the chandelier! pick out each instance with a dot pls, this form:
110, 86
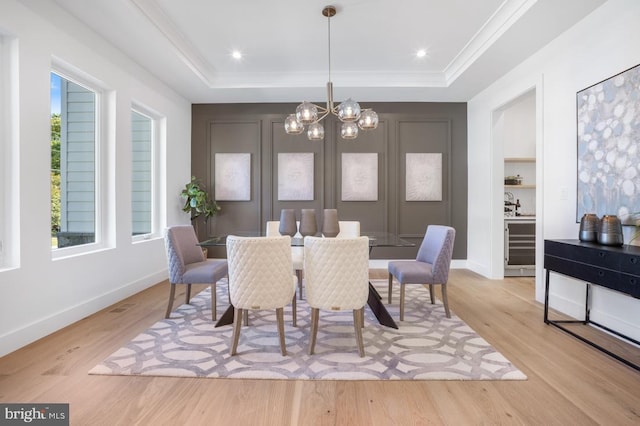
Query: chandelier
349, 111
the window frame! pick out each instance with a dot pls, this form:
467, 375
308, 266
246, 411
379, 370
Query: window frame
101, 160
9, 154
157, 130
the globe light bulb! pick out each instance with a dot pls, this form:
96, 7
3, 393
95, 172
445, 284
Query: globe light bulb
349, 130
315, 132
368, 120
292, 126
349, 110
306, 113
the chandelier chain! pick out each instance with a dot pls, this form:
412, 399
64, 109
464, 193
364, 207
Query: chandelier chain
348, 112
329, 43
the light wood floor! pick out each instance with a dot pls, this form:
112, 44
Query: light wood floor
569, 382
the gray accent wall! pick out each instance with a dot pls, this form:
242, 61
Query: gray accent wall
404, 128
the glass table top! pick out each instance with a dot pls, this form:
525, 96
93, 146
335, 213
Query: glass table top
376, 239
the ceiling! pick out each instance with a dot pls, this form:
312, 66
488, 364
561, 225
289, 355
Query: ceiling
188, 44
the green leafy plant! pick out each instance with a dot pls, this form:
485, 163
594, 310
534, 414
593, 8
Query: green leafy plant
197, 200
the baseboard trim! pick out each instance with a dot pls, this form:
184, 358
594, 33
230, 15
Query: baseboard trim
29, 333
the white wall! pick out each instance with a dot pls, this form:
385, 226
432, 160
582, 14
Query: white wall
519, 127
519, 141
39, 295
603, 44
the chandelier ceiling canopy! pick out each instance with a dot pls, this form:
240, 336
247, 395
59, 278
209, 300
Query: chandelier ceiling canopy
348, 112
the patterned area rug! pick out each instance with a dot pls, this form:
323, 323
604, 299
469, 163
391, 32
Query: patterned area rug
427, 346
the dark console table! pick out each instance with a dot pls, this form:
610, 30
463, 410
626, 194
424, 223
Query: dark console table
615, 268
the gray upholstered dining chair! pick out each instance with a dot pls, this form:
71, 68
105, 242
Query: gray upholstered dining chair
297, 253
337, 279
431, 266
260, 277
187, 265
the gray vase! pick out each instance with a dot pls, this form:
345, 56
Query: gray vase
610, 231
308, 223
330, 225
288, 224
589, 227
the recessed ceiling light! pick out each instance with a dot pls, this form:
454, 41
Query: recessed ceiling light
421, 53
236, 54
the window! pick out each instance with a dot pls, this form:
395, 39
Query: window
3, 146
142, 171
9, 203
74, 153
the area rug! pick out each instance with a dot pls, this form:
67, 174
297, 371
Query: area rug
427, 346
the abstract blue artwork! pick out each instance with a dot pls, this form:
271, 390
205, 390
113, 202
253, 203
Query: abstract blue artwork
608, 119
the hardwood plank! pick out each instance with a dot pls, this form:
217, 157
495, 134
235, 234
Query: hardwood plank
317, 404
569, 382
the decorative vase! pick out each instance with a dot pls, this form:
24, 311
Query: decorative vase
610, 231
308, 223
589, 227
288, 224
330, 225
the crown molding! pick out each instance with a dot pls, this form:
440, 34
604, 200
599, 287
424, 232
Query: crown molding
314, 79
183, 48
507, 14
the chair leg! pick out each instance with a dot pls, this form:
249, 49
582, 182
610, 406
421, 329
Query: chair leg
280, 318
390, 286
246, 317
214, 302
402, 286
362, 317
237, 325
445, 300
432, 295
357, 323
187, 294
299, 275
172, 294
294, 311
315, 313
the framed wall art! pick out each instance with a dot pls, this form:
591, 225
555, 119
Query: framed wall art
232, 177
359, 177
423, 177
608, 123
295, 176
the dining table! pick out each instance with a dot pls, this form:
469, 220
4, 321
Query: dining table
374, 301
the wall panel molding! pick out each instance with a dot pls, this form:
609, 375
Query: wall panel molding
404, 127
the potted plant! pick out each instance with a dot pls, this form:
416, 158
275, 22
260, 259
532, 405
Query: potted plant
198, 203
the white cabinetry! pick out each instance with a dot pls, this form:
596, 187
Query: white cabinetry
524, 167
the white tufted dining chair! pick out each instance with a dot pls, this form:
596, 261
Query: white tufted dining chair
348, 229
337, 279
297, 253
431, 265
260, 277
187, 265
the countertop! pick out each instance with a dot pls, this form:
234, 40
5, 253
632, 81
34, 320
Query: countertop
520, 218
